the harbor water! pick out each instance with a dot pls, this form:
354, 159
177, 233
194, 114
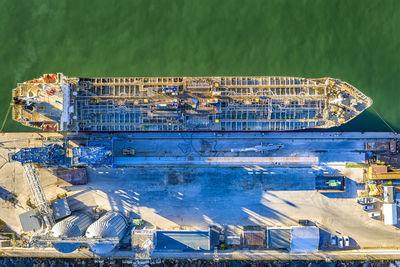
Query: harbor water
355, 41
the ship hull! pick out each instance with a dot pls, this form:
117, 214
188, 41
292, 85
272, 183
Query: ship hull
60, 103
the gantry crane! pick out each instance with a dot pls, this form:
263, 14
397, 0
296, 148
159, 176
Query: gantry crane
52, 154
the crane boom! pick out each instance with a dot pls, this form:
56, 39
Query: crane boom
38, 195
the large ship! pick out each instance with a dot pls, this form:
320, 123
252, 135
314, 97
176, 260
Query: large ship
55, 102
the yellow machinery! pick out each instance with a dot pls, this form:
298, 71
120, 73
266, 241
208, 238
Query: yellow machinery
375, 190
391, 175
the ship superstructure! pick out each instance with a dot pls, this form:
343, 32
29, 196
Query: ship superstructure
56, 102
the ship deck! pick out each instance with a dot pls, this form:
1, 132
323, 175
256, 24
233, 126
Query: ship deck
193, 104
190, 104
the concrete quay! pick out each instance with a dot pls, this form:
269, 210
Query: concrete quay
163, 185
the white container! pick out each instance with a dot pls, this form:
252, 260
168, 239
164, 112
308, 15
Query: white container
390, 213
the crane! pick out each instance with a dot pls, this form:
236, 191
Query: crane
38, 194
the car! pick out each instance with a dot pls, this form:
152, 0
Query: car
304, 222
346, 241
340, 242
366, 200
374, 214
368, 207
333, 240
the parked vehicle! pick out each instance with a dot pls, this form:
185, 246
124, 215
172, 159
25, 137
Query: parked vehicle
368, 207
333, 240
374, 214
366, 200
340, 242
346, 241
304, 222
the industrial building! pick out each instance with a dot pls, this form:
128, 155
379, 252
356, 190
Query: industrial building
60, 208
182, 241
30, 220
279, 237
296, 239
254, 236
390, 213
304, 239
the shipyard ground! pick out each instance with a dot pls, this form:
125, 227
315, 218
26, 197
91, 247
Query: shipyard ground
188, 186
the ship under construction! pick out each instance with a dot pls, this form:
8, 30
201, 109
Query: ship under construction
55, 102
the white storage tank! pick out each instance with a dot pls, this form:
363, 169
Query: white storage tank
111, 224
72, 226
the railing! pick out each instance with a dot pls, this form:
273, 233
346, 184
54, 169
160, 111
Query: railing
78, 239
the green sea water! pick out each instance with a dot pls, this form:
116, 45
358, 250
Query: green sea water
357, 41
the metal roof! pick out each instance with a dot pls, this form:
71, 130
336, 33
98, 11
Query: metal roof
389, 213
182, 240
60, 208
29, 221
305, 239
279, 238
143, 238
73, 176
254, 237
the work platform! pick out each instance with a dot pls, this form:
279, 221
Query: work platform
214, 149
237, 149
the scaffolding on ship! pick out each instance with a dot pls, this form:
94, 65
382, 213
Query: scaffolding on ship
242, 104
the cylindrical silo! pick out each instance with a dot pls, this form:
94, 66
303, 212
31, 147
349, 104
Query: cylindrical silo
72, 226
111, 224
